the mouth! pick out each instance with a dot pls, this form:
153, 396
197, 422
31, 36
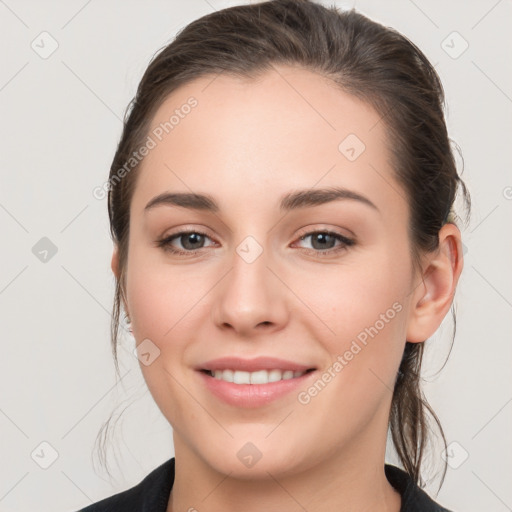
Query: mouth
251, 383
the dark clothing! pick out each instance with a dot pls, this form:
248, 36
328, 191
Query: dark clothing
152, 493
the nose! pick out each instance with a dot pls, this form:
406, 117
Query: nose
251, 298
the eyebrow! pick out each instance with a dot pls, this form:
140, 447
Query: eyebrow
291, 201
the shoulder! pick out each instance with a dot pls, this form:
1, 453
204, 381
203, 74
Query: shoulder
414, 499
151, 494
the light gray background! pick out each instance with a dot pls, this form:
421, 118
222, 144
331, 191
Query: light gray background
60, 124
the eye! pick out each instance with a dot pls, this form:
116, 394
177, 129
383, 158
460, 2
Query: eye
323, 242
191, 241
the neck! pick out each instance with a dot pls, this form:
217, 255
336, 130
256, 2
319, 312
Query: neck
351, 479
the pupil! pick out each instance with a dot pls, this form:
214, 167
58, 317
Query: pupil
194, 238
321, 237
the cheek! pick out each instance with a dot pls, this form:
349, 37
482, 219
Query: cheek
365, 310
160, 296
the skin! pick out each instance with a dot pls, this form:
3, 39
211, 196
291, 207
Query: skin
247, 143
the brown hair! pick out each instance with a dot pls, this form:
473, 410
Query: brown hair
365, 59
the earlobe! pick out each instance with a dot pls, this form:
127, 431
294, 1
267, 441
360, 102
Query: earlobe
433, 297
114, 264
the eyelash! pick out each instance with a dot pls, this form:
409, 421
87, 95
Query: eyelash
346, 242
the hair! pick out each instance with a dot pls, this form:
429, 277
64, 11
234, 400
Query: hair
363, 58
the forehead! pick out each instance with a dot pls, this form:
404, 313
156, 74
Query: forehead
256, 138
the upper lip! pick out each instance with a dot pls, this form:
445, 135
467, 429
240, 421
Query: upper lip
252, 365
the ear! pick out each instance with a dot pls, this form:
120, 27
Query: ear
433, 296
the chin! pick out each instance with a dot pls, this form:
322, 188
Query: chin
250, 461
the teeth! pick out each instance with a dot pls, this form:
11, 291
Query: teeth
258, 377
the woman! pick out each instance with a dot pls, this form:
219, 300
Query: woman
281, 207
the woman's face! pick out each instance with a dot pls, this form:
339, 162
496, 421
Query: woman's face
261, 278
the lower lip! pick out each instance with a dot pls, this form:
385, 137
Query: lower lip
252, 395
